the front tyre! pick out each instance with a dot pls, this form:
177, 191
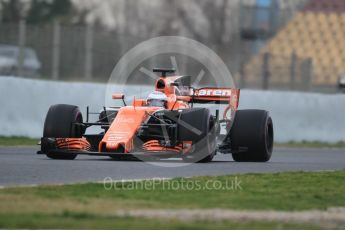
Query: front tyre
199, 126
58, 124
252, 136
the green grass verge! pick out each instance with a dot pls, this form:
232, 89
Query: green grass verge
91, 205
308, 144
17, 141
85, 221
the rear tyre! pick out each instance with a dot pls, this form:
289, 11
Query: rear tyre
198, 125
58, 124
251, 136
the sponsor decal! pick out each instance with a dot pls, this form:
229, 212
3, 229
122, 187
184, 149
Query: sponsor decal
126, 120
117, 136
111, 145
214, 92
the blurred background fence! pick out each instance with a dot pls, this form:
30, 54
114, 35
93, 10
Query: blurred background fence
277, 72
69, 52
267, 44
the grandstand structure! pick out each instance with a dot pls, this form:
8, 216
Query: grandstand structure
308, 50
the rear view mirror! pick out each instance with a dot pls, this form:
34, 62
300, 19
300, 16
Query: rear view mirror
118, 96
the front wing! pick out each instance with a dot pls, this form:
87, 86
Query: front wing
49, 146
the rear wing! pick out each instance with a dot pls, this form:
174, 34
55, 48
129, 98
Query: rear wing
216, 95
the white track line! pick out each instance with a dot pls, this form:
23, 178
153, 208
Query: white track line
332, 217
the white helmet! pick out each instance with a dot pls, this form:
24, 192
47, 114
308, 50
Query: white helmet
157, 99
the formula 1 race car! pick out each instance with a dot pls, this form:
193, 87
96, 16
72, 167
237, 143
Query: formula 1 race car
165, 125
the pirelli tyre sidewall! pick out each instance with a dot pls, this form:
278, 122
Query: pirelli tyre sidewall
252, 136
58, 124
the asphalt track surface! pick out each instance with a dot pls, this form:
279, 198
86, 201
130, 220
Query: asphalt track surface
21, 166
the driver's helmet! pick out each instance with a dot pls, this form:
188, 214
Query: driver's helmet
157, 99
